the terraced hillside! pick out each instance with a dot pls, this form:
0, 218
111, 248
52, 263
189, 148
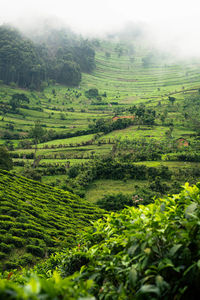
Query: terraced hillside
67, 115
37, 220
127, 75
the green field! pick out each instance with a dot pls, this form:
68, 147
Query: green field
102, 187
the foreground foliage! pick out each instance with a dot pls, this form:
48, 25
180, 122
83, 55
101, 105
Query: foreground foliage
150, 252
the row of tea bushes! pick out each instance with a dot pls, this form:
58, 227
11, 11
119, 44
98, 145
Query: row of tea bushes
37, 219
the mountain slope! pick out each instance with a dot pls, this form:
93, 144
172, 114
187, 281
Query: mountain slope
129, 79
36, 220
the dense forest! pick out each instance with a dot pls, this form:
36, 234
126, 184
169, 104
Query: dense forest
58, 56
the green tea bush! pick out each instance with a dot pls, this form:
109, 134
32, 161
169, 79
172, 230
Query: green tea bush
2, 255
17, 241
6, 218
5, 248
26, 259
11, 265
35, 241
34, 233
3, 231
17, 232
35, 250
149, 252
14, 212
145, 252
6, 224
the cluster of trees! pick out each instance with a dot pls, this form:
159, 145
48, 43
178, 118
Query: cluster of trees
108, 125
80, 176
17, 99
92, 93
143, 115
20, 61
29, 64
115, 202
144, 149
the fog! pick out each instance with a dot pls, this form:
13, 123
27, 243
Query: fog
168, 25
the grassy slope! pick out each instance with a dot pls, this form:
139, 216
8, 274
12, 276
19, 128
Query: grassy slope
33, 214
132, 81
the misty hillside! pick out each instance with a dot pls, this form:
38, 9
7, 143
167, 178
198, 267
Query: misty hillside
57, 56
134, 73
37, 220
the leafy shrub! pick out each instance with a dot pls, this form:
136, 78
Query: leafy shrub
17, 232
11, 265
34, 233
35, 250
45, 217
26, 259
5, 248
18, 242
13, 212
74, 263
6, 224
115, 202
6, 218
51, 250
2, 255
35, 241
3, 231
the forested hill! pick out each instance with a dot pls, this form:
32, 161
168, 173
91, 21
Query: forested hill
36, 220
57, 56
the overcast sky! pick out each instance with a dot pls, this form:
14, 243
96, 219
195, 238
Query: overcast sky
95, 15
169, 19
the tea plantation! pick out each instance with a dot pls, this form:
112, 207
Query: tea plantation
37, 220
145, 252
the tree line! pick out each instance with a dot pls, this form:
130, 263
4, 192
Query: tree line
33, 64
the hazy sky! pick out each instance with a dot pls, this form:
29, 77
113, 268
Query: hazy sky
171, 20
96, 15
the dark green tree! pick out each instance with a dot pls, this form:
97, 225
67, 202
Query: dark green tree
171, 99
69, 73
115, 202
37, 133
92, 93
17, 99
5, 159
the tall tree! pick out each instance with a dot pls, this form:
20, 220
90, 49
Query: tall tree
5, 159
37, 133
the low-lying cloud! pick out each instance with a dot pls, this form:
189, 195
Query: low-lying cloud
172, 25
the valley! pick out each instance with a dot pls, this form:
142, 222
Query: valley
99, 169
71, 121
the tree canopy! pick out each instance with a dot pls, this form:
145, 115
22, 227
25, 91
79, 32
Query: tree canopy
5, 159
56, 56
